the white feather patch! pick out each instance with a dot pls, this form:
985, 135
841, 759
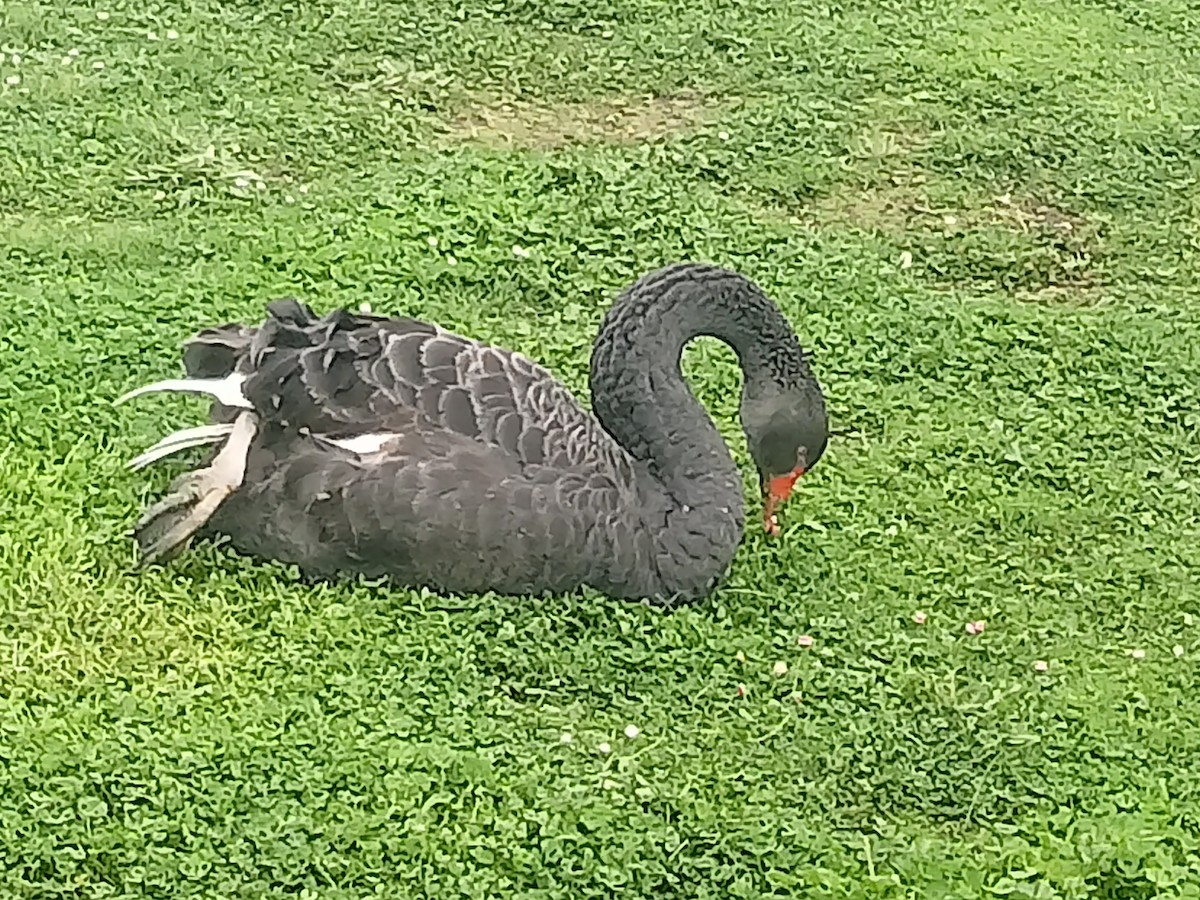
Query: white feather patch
181, 440
227, 390
363, 444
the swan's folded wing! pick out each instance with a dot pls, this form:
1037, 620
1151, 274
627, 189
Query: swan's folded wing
429, 507
346, 374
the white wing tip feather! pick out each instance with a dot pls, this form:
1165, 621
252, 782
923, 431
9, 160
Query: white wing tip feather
227, 390
183, 439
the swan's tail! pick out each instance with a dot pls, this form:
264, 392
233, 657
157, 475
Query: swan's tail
214, 365
167, 526
226, 391
217, 352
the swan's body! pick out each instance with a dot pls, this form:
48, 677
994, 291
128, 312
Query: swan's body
389, 447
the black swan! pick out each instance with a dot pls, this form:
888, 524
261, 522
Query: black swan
357, 443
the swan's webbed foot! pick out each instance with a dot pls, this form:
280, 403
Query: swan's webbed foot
167, 526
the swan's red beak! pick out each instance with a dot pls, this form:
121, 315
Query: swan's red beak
776, 489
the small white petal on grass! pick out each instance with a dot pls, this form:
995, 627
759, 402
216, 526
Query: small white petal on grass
919, 617
805, 640
365, 307
16, 59
605, 747
950, 220
780, 669
12, 80
976, 627
152, 35
565, 738
98, 65
520, 252
1138, 654
431, 241
906, 260
288, 198
632, 731
73, 52
241, 183
1041, 665
451, 261
101, 15
740, 656
723, 135
172, 34
1177, 650
260, 185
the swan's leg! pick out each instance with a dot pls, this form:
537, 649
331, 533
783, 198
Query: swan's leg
167, 526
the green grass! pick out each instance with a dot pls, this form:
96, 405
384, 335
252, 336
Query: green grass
982, 219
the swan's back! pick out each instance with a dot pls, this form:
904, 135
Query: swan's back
344, 375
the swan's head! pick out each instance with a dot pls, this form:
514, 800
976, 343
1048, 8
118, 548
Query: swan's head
786, 433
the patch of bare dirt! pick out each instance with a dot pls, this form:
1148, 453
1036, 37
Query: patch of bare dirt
888, 143
907, 204
887, 209
1036, 248
1026, 215
539, 126
1065, 295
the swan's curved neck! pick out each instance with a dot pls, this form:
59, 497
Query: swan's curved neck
640, 396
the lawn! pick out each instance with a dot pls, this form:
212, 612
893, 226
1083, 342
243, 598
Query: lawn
983, 221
